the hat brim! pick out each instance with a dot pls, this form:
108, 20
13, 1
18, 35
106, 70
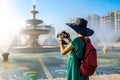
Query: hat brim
81, 30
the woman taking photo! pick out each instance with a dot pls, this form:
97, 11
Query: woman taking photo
76, 48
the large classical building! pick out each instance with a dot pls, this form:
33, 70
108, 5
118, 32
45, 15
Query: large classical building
111, 20
93, 20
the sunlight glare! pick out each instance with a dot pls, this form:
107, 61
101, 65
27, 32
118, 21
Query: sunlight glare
10, 24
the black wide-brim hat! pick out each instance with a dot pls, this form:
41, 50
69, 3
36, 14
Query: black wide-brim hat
81, 28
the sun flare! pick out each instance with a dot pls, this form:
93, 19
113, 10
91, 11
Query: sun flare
10, 24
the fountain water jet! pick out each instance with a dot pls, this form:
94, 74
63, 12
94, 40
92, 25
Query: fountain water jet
105, 50
106, 36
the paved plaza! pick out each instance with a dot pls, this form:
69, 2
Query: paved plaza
34, 66
46, 66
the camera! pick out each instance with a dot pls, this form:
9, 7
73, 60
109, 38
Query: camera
64, 33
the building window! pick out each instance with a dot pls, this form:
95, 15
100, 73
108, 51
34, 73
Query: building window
117, 16
118, 23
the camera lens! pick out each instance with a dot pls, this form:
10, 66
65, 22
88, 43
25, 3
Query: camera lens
66, 35
58, 35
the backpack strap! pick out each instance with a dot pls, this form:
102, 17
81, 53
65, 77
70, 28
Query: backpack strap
85, 41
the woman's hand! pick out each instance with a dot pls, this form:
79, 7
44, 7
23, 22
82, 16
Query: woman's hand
60, 37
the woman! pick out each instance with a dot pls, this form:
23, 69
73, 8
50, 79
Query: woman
76, 48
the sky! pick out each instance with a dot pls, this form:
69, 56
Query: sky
13, 13
59, 12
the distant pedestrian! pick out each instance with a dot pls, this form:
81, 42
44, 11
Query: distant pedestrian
76, 47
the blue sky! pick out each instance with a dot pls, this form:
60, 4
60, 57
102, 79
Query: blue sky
58, 12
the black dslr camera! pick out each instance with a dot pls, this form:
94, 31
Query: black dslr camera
64, 33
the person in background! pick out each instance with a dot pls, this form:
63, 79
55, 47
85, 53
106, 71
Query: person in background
76, 48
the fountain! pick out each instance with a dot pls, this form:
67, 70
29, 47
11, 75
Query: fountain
34, 33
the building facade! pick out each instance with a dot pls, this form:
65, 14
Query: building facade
93, 20
117, 20
111, 20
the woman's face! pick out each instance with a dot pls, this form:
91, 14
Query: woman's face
77, 21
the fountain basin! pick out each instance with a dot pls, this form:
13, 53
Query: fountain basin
35, 31
34, 21
26, 49
34, 36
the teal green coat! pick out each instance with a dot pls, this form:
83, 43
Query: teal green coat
73, 68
